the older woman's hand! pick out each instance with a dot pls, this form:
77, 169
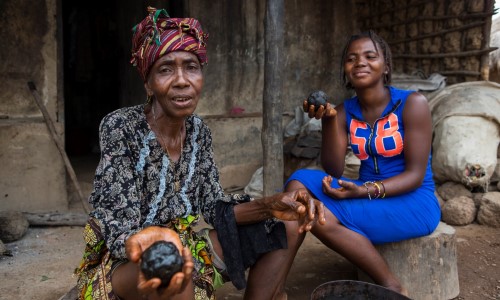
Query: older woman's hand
326, 111
297, 205
139, 242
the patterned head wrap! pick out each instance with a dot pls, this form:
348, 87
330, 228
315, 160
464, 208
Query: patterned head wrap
158, 34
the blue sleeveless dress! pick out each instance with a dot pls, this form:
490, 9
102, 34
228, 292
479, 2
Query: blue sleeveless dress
380, 150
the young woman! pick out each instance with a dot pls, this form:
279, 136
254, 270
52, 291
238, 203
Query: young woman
390, 131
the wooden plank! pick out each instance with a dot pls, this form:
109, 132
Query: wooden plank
56, 219
438, 33
272, 131
485, 59
433, 18
59, 144
443, 55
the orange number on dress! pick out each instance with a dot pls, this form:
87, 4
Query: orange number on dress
387, 128
360, 142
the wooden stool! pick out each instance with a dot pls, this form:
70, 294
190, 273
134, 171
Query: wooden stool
426, 266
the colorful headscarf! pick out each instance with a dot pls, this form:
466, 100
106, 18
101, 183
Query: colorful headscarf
158, 34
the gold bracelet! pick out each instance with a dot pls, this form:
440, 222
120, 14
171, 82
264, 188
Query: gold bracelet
378, 190
383, 196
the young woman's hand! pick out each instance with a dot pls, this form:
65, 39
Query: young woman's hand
347, 189
326, 111
139, 242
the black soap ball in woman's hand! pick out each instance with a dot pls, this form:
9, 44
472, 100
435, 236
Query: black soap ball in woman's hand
317, 98
161, 260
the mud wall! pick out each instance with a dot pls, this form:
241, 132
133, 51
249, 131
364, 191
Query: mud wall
315, 32
450, 37
32, 172
445, 36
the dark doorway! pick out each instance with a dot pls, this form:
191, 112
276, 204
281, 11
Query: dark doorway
96, 46
91, 79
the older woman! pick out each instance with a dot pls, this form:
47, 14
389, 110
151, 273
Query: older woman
157, 178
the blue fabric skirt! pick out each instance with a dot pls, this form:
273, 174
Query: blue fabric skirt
390, 219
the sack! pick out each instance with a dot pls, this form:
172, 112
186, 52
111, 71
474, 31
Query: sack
255, 188
466, 125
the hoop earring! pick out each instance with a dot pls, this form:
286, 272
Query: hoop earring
386, 78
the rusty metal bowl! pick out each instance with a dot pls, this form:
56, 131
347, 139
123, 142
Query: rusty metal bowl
354, 290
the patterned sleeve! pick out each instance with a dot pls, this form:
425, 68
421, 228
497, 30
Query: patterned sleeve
115, 195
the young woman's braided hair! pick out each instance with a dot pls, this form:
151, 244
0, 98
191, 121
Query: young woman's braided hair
378, 42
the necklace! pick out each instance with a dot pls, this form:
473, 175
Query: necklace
177, 182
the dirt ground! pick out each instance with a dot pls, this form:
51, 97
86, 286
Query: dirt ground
43, 261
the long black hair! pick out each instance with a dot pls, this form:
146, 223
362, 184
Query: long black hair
377, 42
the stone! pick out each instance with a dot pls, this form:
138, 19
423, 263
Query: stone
161, 260
317, 98
451, 189
489, 211
13, 226
459, 211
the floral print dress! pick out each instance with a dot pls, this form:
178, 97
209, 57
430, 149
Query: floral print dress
134, 188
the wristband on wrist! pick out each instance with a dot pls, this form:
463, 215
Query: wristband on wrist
367, 189
377, 191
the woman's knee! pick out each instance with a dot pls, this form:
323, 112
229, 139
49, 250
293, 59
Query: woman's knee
294, 237
124, 280
294, 185
331, 225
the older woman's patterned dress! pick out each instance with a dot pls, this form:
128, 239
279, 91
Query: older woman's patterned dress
134, 188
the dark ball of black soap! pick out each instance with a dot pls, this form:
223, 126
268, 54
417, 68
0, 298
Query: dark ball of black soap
317, 98
161, 260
